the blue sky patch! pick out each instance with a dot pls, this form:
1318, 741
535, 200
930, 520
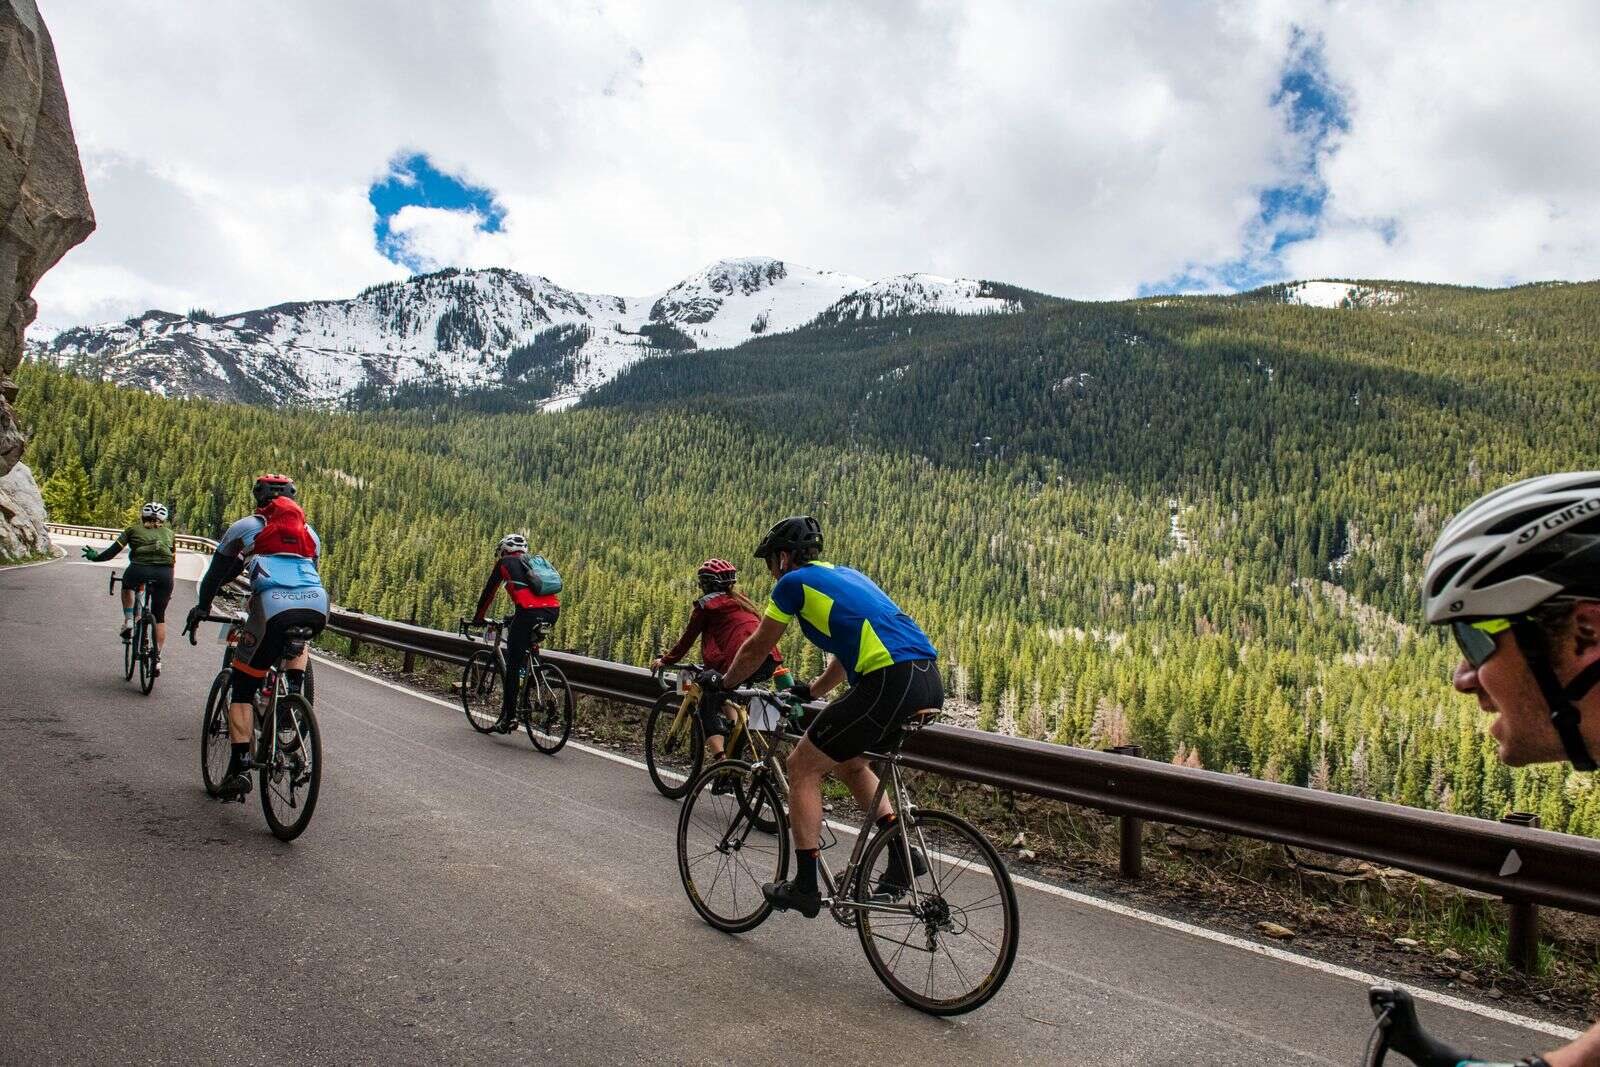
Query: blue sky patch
413, 179
1314, 114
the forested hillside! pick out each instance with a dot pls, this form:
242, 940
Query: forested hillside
1190, 522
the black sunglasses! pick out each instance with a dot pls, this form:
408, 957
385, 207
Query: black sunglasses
1477, 639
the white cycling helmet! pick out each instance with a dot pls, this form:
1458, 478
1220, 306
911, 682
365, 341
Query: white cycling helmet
1519, 546
154, 510
514, 542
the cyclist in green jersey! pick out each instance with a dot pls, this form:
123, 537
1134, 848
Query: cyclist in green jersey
890, 665
150, 561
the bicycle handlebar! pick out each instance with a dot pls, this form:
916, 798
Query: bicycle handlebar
1399, 1029
228, 620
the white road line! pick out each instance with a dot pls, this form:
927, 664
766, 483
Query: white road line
1178, 925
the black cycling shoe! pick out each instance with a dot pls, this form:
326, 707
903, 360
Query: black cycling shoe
893, 884
724, 783
237, 785
127, 632
784, 897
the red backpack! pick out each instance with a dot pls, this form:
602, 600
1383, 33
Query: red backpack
285, 533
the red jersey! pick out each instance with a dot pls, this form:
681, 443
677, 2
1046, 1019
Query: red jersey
722, 624
514, 573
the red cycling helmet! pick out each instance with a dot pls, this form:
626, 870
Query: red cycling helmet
717, 575
271, 486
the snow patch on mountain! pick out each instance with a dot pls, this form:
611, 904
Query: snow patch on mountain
915, 294
1325, 294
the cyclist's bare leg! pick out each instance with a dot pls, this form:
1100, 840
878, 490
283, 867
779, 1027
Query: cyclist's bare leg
241, 723
127, 599
808, 765
161, 635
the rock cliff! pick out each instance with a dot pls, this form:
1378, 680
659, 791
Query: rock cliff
44, 210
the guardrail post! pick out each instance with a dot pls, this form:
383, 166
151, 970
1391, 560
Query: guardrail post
409, 660
1130, 847
1522, 933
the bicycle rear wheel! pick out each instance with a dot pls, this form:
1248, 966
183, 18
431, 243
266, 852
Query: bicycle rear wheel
722, 860
215, 746
547, 708
289, 783
480, 690
947, 948
130, 660
674, 746
145, 639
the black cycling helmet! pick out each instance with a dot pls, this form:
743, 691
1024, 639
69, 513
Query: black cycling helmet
797, 533
271, 486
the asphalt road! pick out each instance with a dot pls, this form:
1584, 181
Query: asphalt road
459, 898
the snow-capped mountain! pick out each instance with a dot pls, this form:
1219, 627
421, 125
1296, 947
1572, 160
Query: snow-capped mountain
485, 329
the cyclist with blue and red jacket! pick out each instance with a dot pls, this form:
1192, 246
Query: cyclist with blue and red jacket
514, 570
278, 550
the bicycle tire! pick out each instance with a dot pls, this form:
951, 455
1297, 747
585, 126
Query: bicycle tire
955, 848
289, 781
146, 641
716, 823
480, 690
681, 752
215, 745
547, 718
130, 661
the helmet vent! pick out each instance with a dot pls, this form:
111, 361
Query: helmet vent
1519, 520
1444, 576
1479, 565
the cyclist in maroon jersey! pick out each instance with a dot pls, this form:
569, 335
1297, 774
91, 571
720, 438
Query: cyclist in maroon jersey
513, 571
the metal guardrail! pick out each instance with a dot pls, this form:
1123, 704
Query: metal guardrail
1520, 864
187, 542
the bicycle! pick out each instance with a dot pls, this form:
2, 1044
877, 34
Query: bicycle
288, 757
674, 738
957, 918
139, 647
545, 704
1399, 1030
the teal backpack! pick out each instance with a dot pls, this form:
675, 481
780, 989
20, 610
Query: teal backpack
548, 577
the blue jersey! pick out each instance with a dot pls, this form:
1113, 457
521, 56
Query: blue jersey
269, 572
842, 611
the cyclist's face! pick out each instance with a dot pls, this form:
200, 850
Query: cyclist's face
1505, 688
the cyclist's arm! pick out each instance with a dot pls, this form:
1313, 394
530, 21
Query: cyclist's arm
224, 568
697, 625
490, 588
1584, 1052
829, 679
113, 549
754, 651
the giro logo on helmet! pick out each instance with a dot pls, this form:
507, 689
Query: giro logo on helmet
1552, 523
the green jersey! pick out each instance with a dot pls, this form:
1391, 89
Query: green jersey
148, 545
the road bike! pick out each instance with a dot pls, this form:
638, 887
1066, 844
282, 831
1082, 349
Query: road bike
544, 703
675, 740
1399, 1030
942, 939
288, 756
139, 646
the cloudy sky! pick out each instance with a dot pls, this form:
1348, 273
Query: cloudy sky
243, 154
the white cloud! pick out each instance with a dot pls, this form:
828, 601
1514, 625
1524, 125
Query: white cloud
1081, 149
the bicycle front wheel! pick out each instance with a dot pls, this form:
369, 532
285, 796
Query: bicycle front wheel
480, 690
215, 745
944, 940
146, 635
290, 780
674, 745
722, 859
547, 708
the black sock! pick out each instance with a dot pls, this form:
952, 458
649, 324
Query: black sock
240, 750
805, 879
296, 680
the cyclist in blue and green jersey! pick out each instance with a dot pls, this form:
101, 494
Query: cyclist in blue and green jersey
889, 664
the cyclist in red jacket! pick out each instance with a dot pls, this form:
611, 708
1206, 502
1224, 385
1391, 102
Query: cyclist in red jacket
514, 572
722, 618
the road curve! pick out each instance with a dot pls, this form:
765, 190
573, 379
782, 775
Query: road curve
465, 899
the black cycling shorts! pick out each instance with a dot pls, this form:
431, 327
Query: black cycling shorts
256, 655
869, 717
155, 578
